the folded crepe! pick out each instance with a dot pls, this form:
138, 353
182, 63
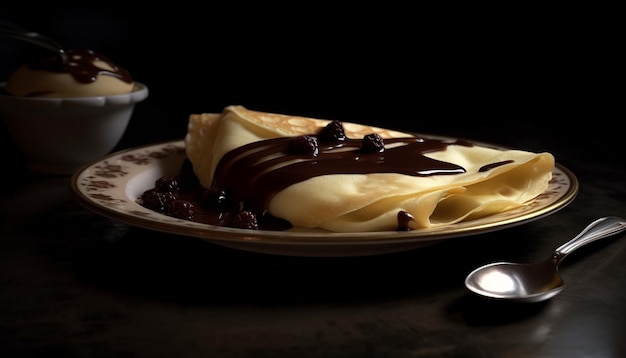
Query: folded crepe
492, 181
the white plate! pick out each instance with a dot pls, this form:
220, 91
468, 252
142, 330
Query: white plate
110, 187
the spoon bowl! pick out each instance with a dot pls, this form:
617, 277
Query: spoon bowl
536, 281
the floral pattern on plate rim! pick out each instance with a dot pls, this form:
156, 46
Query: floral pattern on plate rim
103, 182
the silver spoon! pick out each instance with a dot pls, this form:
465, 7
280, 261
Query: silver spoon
539, 281
36, 39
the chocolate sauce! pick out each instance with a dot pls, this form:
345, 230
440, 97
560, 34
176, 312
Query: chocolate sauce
251, 175
488, 167
80, 65
254, 173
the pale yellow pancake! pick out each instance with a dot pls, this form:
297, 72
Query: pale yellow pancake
371, 202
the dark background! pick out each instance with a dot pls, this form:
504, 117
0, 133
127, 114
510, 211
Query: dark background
74, 282
492, 74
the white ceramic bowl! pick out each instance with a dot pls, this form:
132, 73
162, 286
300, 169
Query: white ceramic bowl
59, 135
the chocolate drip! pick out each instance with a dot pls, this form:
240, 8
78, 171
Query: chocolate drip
488, 167
81, 66
254, 173
248, 177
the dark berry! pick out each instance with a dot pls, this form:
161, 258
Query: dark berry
157, 201
306, 145
404, 218
244, 220
213, 199
332, 133
372, 143
181, 209
166, 184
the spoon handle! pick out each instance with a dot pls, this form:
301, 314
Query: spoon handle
599, 229
35, 38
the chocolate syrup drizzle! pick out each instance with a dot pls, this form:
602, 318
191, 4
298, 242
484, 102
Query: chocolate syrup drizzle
488, 167
254, 173
251, 175
81, 66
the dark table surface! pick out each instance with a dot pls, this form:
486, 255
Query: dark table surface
76, 284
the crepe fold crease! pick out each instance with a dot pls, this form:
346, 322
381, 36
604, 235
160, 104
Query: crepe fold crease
371, 202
